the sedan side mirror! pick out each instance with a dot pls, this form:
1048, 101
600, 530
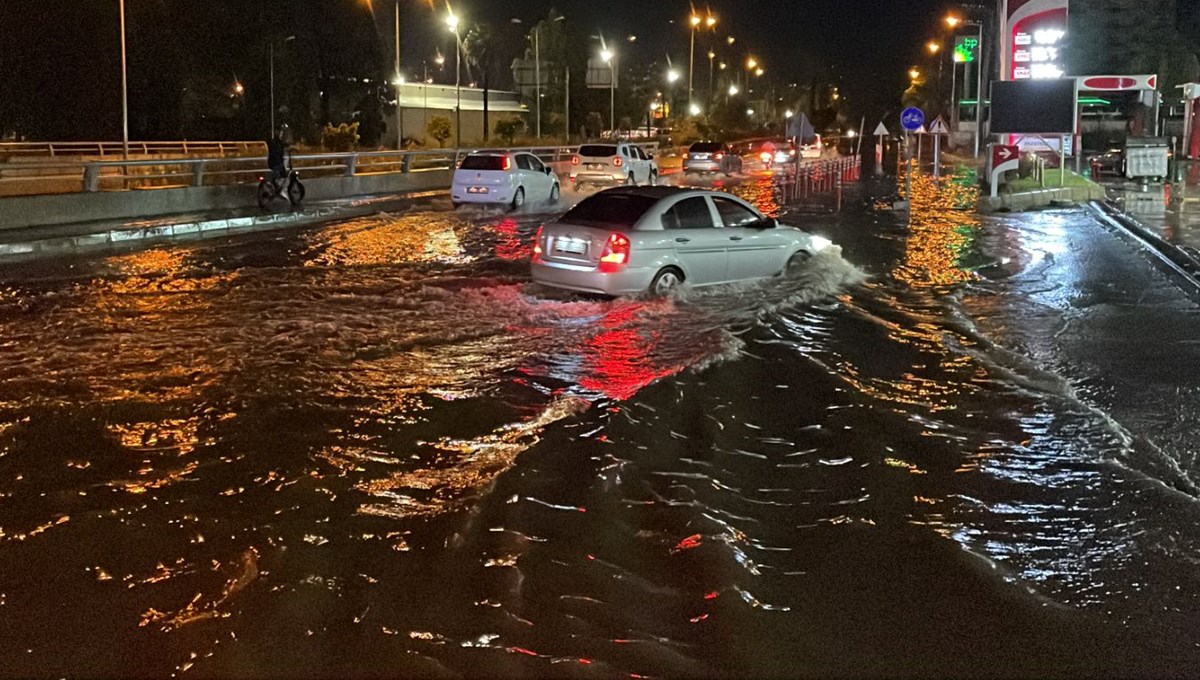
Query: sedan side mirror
765, 223
548, 170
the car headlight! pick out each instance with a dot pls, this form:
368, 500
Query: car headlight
820, 243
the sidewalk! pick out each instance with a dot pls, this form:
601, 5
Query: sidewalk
70, 239
1165, 217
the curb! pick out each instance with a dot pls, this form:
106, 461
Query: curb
126, 236
1183, 263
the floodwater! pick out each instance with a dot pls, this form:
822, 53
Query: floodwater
962, 447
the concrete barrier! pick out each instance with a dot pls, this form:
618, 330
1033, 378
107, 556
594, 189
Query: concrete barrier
23, 212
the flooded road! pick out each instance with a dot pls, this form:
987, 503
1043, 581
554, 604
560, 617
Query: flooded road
961, 447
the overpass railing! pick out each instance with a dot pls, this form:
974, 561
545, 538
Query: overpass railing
75, 175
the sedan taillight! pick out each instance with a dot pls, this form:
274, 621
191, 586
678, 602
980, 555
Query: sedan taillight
537, 243
615, 254
718, 156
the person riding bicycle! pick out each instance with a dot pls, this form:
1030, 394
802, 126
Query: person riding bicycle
277, 151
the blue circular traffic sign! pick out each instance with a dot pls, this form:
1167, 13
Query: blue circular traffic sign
912, 119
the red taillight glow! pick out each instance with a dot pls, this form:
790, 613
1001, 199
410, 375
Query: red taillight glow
574, 160
616, 253
765, 156
507, 164
718, 156
617, 162
537, 243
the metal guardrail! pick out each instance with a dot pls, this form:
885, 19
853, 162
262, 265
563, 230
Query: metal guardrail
23, 150
87, 176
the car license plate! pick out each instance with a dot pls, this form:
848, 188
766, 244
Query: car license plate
573, 246
701, 156
477, 190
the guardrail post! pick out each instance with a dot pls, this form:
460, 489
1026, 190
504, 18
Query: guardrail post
91, 178
406, 162
198, 174
351, 164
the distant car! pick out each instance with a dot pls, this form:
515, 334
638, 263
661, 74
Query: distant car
619, 163
1111, 162
503, 178
712, 157
653, 239
812, 149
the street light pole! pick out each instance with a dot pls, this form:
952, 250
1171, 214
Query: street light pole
537, 74
399, 87
692, 59
124, 90
452, 20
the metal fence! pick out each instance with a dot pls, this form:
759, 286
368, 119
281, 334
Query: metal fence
30, 150
74, 175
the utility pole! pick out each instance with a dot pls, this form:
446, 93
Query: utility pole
537, 75
124, 90
399, 87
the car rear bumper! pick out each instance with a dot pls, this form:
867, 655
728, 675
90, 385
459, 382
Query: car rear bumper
590, 280
495, 195
702, 166
598, 177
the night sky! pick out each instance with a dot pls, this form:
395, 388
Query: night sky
64, 56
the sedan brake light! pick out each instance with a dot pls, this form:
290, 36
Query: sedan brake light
617, 162
537, 243
615, 254
507, 164
718, 156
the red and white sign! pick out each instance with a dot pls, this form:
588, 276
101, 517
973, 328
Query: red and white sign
1002, 154
1033, 40
1117, 83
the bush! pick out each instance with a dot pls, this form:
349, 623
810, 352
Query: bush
509, 128
344, 137
440, 129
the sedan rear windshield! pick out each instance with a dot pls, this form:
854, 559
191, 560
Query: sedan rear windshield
597, 150
609, 210
483, 163
705, 147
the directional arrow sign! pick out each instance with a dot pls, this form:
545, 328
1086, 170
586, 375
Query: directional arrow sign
881, 130
1002, 154
1004, 158
939, 127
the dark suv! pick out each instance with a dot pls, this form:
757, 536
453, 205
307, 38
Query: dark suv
708, 157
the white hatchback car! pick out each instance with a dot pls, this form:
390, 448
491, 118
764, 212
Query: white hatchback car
632, 240
503, 178
621, 163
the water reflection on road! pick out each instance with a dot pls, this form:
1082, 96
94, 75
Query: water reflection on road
377, 448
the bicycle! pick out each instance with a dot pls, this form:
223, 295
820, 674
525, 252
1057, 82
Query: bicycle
273, 186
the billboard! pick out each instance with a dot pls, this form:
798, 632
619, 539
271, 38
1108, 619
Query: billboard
602, 75
1034, 107
1034, 39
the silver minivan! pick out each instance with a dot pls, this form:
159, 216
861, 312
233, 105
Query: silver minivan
653, 239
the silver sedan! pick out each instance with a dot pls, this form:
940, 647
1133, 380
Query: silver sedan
653, 239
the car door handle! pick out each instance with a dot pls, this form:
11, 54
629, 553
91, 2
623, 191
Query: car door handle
683, 240
735, 238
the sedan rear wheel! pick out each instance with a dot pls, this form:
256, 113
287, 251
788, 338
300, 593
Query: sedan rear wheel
666, 282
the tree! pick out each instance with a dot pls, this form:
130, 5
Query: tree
593, 124
340, 138
509, 128
1132, 36
440, 129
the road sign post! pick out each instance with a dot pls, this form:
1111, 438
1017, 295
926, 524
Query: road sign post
937, 129
911, 119
880, 132
1002, 159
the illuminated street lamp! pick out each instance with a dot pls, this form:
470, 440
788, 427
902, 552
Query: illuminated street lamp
914, 74
733, 90
694, 109
933, 46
